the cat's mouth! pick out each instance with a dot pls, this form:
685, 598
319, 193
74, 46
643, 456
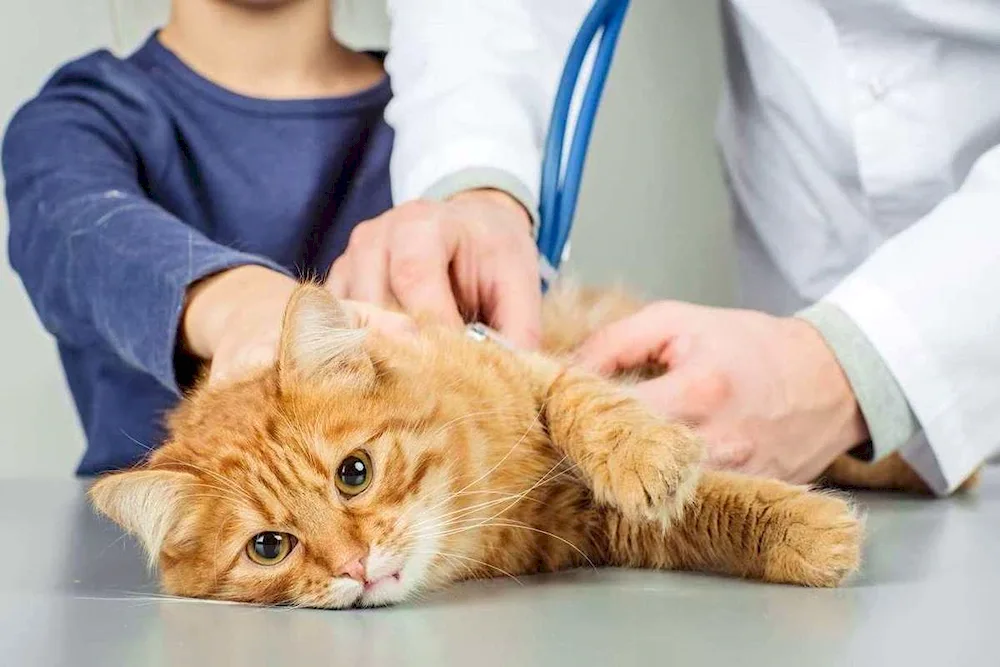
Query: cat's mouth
383, 590
385, 579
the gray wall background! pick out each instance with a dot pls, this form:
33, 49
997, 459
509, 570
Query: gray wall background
652, 213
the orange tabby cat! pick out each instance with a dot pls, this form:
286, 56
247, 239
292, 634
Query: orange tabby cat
360, 470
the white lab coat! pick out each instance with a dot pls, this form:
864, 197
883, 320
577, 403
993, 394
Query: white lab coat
862, 145
473, 86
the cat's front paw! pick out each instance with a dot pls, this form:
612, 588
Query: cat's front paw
650, 471
819, 542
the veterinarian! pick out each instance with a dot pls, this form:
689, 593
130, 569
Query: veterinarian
473, 84
862, 147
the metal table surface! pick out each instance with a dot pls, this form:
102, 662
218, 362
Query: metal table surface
73, 593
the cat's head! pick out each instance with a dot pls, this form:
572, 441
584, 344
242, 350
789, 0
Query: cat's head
325, 481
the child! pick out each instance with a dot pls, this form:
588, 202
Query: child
162, 205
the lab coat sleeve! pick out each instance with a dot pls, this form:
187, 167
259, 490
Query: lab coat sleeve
103, 265
891, 422
473, 85
929, 301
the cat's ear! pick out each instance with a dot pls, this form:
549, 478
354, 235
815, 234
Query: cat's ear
143, 502
319, 341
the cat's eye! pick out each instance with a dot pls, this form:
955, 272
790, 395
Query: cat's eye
270, 548
354, 473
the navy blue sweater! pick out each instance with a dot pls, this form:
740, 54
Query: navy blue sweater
128, 180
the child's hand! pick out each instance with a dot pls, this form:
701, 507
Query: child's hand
234, 319
472, 256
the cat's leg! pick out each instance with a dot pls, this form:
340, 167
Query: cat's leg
889, 474
644, 466
747, 527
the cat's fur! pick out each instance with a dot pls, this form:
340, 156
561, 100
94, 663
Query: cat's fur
486, 463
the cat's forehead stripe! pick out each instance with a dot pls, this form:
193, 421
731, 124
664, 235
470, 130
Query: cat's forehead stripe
271, 428
269, 486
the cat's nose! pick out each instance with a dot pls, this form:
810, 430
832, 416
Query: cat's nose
354, 568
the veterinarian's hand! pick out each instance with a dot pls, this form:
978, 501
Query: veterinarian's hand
766, 393
468, 258
234, 319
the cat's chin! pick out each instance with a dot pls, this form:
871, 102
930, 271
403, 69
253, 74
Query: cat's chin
347, 593
386, 591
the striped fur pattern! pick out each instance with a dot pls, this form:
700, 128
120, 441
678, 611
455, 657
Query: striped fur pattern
484, 462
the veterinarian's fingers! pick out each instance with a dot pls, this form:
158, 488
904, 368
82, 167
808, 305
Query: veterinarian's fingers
338, 279
669, 396
369, 264
370, 276
419, 277
728, 451
229, 368
688, 393
639, 339
365, 315
517, 303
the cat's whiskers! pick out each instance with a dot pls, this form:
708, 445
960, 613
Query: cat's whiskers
228, 492
444, 528
443, 531
492, 492
464, 490
191, 466
447, 479
508, 495
510, 523
515, 497
471, 415
141, 444
505, 495
545, 479
218, 539
224, 493
205, 496
445, 570
242, 493
471, 560
118, 540
151, 597
448, 518
489, 472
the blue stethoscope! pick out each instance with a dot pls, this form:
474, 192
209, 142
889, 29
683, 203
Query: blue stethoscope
561, 178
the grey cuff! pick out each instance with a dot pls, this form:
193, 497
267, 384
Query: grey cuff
883, 404
473, 178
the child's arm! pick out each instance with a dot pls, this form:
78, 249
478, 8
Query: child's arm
101, 262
